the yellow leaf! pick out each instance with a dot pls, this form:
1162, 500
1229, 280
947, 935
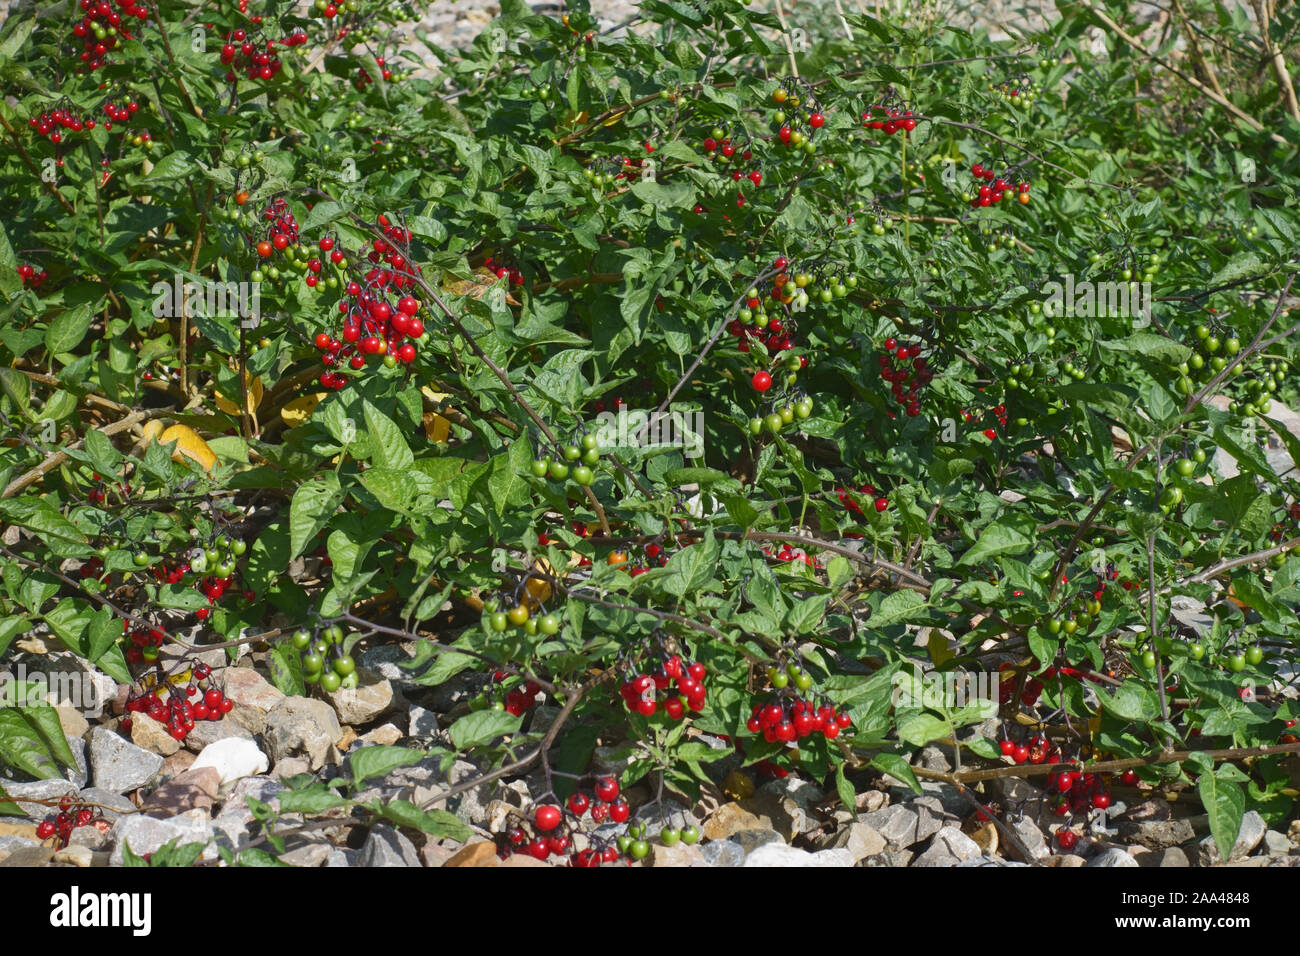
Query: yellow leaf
938, 646
299, 410
231, 407
615, 118
436, 428
188, 443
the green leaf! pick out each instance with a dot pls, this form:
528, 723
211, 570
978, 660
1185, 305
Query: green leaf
286, 670
388, 448
1130, 701
316, 798
694, 567
1226, 805
378, 760
996, 540
313, 504
7, 807
898, 768
848, 796
898, 607
919, 728
438, 823
67, 329
483, 727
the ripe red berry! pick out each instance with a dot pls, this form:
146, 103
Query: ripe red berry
607, 789
1066, 839
547, 817
762, 381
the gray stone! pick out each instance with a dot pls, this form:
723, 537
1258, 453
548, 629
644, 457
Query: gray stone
146, 834
990, 861
780, 855
374, 696
544, 715
232, 758
858, 838
385, 735
1277, 844
806, 795
8, 844
949, 847
722, 853
385, 846
1249, 836
897, 824
949, 797
251, 692
1174, 857
933, 758
234, 825
888, 859
27, 856
312, 853
1157, 834
153, 736
1113, 856
91, 837
751, 840
302, 725
339, 857
119, 765
1028, 833
190, 790
37, 790
1012, 790
291, 767
79, 772
423, 723
207, 732
930, 817
112, 805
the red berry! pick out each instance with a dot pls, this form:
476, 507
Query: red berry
762, 381
547, 817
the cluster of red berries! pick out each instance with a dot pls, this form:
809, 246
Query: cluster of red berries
364, 79
554, 836
214, 588
142, 643
1079, 792
905, 368
240, 54
519, 699
654, 556
787, 553
786, 717
996, 189
101, 26
400, 272
881, 503
52, 123
282, 229
999, 412
116, 112
71, 815
31, 277
678, 684
890, 120
1288, 523
502, 271
178, 712
372, 327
